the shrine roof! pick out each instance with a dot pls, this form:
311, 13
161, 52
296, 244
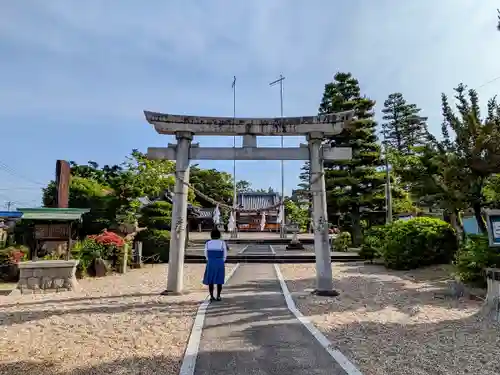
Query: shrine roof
10, 214
60, 214
206, 213
256, 201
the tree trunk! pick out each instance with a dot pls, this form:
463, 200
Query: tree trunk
357, 234
479, 217
456, 223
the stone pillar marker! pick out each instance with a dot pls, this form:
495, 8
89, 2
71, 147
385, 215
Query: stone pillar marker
492, 302
324, 277
175, 274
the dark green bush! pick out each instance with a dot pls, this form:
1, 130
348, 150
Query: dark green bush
373, 241
158, 222
155, 241
9, 261
418, 242
473, 257
342, 241
156, 212
87, 251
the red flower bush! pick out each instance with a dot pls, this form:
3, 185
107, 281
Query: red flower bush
16, 256
108, 239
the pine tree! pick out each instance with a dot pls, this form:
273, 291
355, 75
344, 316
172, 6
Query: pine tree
304, 188
356, 185
305, 181
404, 128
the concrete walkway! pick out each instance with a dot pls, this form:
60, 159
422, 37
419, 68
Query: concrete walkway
253, 332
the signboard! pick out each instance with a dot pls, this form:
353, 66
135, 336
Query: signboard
52, 231
493, 226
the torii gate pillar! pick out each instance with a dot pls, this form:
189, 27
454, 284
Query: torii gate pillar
175, 274
324, 277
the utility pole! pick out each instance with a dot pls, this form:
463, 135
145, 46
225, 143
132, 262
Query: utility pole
282, 206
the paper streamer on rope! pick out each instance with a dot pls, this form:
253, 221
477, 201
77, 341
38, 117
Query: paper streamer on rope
262, 221
280, 215
216, 215
231, 225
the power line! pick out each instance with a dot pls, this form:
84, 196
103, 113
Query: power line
490, 81
14, 173
20, 188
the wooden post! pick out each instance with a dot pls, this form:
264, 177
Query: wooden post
125, 258
68, 250
138, 253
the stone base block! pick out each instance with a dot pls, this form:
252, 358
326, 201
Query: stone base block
492, 303
295, 246
47, 276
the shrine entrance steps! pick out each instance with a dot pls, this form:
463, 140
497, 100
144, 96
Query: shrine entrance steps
268, 253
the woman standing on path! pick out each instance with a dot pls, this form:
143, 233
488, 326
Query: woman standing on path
215, 253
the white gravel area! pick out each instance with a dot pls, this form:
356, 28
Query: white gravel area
117, 324
392, 322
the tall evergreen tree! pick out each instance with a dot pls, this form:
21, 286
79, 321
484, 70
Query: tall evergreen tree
304, 188
403, 128
356, 185
305, 181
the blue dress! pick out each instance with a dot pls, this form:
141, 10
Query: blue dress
215, 253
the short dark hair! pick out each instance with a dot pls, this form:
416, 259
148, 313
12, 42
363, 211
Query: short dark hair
215, 234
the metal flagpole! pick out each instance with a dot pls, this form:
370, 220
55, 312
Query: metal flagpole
282, 207
234, 233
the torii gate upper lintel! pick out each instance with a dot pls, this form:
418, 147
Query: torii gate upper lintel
313, 127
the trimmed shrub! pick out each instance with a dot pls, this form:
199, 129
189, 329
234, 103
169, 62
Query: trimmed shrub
373, 241
418, 242
87, 251
473, 257
155, 241
159, 222
342, 241
157, 215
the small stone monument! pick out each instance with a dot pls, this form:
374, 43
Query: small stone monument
492, 302
295, 244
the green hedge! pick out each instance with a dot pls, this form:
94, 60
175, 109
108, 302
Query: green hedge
342, 241
408, 244
155, 241
473, 257
373, 241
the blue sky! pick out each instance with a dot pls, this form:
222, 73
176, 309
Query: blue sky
75, 76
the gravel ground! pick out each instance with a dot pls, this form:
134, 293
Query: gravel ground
115, 325
390, 322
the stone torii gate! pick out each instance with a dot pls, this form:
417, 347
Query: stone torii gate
313, 127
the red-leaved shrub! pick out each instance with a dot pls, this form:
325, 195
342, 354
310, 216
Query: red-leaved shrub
108, 239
